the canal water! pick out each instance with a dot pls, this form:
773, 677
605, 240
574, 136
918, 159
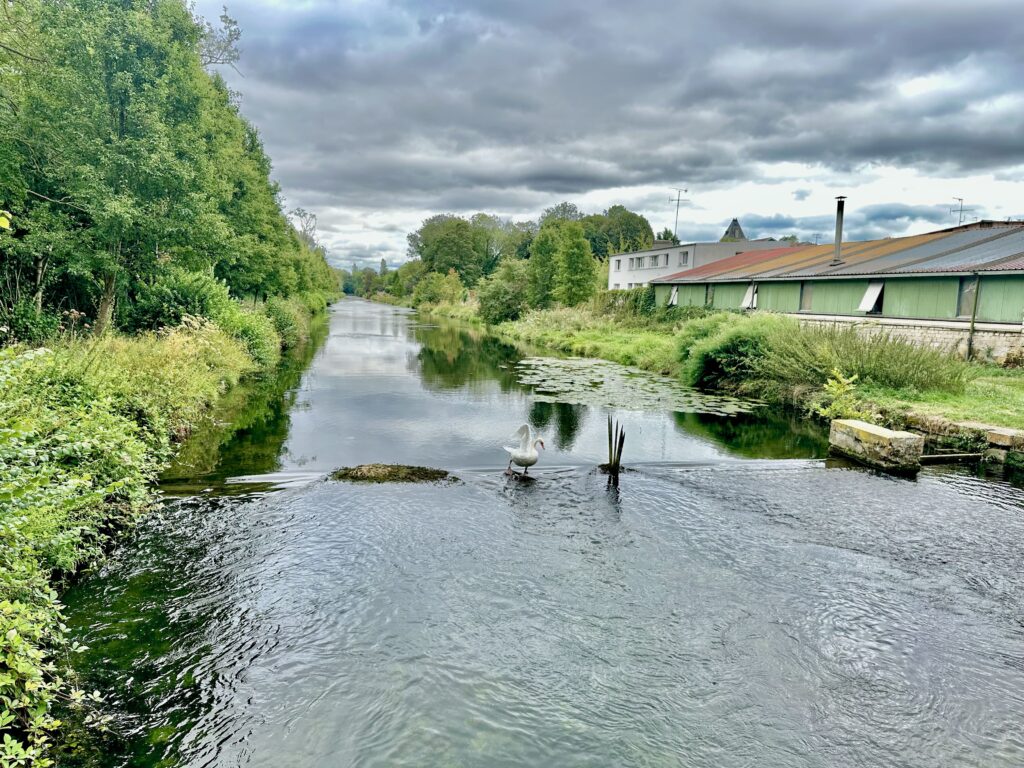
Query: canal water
738, 601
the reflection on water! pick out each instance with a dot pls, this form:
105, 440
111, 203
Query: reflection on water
713, 611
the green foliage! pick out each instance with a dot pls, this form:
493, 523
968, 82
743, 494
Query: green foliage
726, 348
574, 276
175, 294
84, 429
22, 322
505, 294
668, 234
808, 355
291, 319
160, 174
544, 264
436, 289
839, 399
254, 329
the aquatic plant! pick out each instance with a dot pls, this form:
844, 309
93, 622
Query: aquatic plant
392, 473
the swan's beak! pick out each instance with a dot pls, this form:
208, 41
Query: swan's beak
541, 444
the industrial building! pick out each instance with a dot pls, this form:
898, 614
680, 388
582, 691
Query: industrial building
963, 285
640, 268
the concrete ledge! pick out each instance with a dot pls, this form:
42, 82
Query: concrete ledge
876, 446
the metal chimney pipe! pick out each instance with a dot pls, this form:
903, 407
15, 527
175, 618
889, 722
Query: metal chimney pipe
840, 205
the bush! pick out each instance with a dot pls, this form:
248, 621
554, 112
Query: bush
809, 355
291, 320
505, 294
254, 329
176, 294
84, 430
436, 288
726, 349
21, 323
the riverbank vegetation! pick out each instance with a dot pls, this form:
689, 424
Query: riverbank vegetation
823, 371
147, 264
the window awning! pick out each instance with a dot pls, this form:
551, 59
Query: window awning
750, 298
673, 299
871, 296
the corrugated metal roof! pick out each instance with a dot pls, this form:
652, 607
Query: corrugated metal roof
985, 246
740, 261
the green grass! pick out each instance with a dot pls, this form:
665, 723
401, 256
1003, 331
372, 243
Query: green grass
993, 396
578, 331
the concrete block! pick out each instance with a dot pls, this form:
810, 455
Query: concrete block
1002, 437
876, 446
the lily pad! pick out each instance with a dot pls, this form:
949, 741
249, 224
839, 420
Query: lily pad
392, 473
601, 383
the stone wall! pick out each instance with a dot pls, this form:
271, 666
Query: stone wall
992, 341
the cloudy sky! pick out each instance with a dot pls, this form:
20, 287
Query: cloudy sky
379, 114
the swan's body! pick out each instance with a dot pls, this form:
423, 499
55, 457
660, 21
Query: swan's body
524, 455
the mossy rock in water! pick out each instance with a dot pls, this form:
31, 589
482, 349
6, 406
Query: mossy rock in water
392, 473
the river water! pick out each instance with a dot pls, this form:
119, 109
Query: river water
737, 602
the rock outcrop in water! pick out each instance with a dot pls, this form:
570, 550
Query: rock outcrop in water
392, 473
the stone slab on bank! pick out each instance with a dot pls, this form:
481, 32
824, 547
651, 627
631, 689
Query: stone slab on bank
876, 446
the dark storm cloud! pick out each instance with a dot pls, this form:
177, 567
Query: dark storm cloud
511, 104
866, 223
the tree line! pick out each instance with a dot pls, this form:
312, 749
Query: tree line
510, 266
126, 168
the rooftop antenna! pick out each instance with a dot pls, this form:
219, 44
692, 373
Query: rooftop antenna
959, 210
679, 199
840, 205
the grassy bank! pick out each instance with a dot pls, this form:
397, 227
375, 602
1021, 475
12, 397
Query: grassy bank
826, 372
86, 426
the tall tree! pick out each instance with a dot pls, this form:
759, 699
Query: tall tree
576, 266
544, 264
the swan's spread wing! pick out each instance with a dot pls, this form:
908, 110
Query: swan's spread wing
524, 433
510, 449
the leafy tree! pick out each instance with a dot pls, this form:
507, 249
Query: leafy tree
383, 267
627, 231
543, 264
668, 234
505, 295
576, 266
436, 288
564, 211
447, 242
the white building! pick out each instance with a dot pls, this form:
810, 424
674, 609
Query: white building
633, 270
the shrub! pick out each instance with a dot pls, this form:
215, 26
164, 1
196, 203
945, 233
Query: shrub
436, 288
839, 399
727, 348
84, 429
254, 329
808, 356
20, 323
505, 294
177, 293
291, 320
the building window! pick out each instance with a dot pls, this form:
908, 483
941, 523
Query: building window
806, 295
615, 286
673, 299
873, 298
618, 266
684, 258
967, 297
750, 297
630, 263
709, 295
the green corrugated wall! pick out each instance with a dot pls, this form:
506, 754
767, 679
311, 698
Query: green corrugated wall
926, 298
837, 297
1001, 299
729, 295
689, 295
778, 297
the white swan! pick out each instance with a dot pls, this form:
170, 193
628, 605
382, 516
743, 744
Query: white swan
526, 454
